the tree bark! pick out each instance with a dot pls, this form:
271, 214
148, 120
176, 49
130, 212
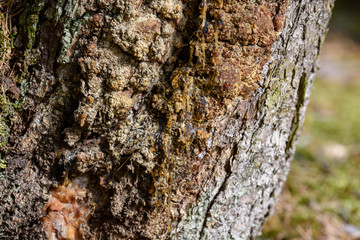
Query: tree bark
154, 119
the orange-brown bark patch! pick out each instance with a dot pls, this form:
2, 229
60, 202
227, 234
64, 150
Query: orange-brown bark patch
68, 211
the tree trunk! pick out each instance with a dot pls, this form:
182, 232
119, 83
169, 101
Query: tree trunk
137, 119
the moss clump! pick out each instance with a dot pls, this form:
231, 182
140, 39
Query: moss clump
31, 22
7, 115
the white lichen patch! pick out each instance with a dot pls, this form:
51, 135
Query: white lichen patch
136, 36
146, 75
120, 103
171, 9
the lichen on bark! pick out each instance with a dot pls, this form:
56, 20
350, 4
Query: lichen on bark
172, 109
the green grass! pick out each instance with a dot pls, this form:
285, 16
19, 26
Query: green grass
334, 114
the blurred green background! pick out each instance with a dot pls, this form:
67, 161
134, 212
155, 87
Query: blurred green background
321, 198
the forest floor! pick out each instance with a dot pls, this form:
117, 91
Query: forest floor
321, 198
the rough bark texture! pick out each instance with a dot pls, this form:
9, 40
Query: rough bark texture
156, 119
